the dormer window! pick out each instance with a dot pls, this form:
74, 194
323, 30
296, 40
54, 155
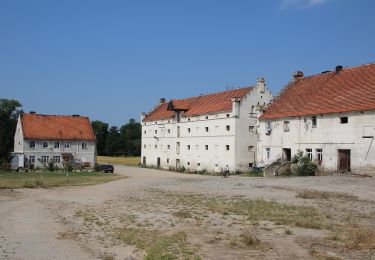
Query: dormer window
84, 145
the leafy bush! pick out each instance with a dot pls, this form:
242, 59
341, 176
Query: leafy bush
256, 173
305, 167
68, 167
96, 167
51, 166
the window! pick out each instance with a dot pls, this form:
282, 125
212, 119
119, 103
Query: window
206, 129
32, 144
189, 130
67, 145
199, 164
189, 119
228, 115
84, 145
156, 146
206, 117
251, 128
268, 152
45, 159
32, 159
169, 131
168, 161
227, 147
309, 154
169, 147
319, 154
144, 132
45, 144
156, 131
206, 147
188, 147
228, 127
56, 159
57, 145
286, 126
250, 148
344, 120
188, 163
314, 121
144, 146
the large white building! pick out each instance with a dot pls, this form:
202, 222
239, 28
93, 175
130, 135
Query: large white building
329, 116
40, 139
205, 133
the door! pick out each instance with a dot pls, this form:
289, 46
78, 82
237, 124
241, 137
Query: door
158, 163
178, 164
343, 161
287, 154
144, 161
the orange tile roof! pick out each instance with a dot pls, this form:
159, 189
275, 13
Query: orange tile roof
52, 127
351, 89
204, 104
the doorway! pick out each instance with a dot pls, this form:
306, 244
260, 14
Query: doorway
158, 162
343, 160
178, 165
144, 161
287, 154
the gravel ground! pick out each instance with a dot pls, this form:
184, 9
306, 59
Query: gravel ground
81, 222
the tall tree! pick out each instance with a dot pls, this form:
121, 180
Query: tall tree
113, 143
131, 136
101, 132
9, 112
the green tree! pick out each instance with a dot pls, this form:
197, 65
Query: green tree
101, 132
9, 112
131, 137
113, 142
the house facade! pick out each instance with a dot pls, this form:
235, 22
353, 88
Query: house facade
205, 133
40, 139
329, 116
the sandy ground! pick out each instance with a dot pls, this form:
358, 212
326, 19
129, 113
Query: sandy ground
83, 222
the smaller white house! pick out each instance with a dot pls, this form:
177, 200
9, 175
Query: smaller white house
329, 116
40, 139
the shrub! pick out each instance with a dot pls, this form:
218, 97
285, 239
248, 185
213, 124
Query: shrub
305, 167
68, 167
51, 166
96, 167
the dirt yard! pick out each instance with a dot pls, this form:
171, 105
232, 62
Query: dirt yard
163, 215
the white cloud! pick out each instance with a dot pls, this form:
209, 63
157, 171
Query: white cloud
301, 3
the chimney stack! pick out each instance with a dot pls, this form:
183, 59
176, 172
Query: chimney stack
338, 68
297, 75
32, 112
162, 101
262, 85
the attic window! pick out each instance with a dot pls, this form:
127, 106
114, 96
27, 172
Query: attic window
344, 120
228, 115
32, 144
314, 121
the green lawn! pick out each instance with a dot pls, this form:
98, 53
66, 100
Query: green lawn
14, 180
129, 161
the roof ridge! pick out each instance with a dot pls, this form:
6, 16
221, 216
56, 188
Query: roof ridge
214, 93
37, 114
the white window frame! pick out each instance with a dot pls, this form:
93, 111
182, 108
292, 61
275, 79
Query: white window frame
45, 158
286, 126
227, 127
58, 145
84, 145
56, 159
309, 153
319, 154
268, 152
66, 145
314, 121
32, 147
43, 142
32, 159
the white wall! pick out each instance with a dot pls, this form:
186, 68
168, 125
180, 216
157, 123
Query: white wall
239, 138
329, 135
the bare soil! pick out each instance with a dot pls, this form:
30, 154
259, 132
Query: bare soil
164, 215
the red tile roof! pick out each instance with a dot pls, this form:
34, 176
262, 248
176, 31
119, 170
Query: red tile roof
204, 104
52, 127
351, 89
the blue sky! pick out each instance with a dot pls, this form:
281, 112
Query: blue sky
110, 60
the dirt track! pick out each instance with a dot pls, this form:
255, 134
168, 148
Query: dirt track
76, 222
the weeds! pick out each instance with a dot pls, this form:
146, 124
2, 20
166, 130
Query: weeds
314, 194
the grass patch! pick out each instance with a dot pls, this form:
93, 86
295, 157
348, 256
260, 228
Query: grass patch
14, 180
253, 210
129, 161
158, 245
314, 194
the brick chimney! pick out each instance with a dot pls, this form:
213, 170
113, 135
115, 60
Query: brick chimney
162, 101
297, 75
